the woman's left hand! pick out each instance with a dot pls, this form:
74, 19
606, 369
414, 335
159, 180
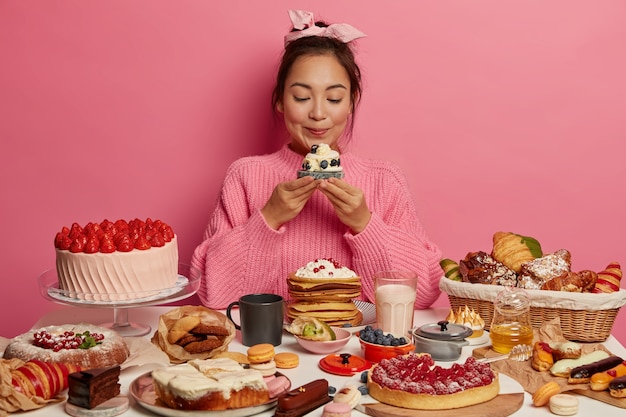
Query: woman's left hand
349, 203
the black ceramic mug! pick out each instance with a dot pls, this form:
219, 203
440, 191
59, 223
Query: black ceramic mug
261, 318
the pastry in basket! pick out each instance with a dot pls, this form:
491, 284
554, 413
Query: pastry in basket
193, 332
583, 281
534, 273
609, 279
513, 250
451, 269
481, 268
84, 345
413, 381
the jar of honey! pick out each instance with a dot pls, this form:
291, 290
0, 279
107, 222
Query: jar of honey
511, 320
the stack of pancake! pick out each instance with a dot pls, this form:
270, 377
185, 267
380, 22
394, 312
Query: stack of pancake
327, 298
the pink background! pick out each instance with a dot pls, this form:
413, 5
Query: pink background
504, 115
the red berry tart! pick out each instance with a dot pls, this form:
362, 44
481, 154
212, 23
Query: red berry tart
84, 345
413, 381
120, 260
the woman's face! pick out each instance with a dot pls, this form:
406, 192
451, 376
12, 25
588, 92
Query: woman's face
316, 103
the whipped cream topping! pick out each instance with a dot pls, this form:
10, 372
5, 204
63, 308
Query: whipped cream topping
200, 377
322, 158
325, 268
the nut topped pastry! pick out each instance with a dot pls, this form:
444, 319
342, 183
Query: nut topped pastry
481, 268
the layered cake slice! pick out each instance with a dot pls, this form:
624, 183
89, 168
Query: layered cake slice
91, 388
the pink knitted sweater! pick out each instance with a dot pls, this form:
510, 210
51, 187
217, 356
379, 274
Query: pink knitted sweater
241, 255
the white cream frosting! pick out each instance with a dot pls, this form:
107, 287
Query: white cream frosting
324, 268
118, 275
195, 379
322, 159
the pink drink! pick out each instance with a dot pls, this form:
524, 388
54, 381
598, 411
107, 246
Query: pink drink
395, 300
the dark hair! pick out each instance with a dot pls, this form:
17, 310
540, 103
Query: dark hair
319, 45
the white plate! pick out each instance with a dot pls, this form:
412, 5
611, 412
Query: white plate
368, 310
484, 338
142, 390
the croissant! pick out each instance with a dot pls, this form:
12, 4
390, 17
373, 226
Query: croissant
582, 281
609, 279
42, 379
513, 250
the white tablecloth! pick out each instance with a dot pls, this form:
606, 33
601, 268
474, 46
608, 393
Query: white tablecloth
308, 369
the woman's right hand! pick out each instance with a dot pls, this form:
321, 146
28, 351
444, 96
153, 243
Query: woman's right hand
288, 200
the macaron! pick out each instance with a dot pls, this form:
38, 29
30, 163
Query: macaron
263, 352
334, 409
349, 394
542, 396
266, 368
278, 385
286, 360
564, 404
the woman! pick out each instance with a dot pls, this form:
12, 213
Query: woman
267, 223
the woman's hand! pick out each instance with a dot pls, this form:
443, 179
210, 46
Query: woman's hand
349, 203
288, 200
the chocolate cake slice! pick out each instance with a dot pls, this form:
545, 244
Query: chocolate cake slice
92, 387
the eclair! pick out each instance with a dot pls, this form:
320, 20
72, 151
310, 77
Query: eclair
582, 374
617, 387
304, 399
600, 380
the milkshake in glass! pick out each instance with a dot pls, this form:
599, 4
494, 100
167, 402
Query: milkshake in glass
395, 301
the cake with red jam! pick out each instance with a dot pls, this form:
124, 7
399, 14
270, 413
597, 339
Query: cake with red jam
121, 260
413, 381
84, 345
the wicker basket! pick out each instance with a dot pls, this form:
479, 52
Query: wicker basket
583, 317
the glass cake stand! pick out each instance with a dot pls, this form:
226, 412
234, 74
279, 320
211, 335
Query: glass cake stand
186, 285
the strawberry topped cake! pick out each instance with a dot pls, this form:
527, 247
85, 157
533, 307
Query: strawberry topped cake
413, 381
111, 261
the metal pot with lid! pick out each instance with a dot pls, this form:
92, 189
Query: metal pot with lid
442, 340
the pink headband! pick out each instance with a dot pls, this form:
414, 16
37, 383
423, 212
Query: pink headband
304, 22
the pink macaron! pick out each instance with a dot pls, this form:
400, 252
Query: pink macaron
334, 409
277, 386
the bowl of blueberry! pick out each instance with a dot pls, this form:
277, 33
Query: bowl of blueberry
376, 345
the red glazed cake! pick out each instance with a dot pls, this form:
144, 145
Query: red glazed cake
120, 260
413, 381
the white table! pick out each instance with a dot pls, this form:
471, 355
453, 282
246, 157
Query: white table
308, 369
